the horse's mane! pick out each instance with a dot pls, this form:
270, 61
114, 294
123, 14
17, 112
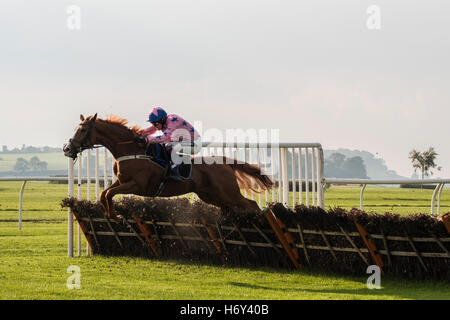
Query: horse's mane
120, 123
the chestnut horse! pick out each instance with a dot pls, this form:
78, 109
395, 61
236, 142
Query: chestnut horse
216, 180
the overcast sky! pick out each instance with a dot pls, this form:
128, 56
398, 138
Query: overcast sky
312, 69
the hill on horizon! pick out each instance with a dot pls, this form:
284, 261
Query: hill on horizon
376, 167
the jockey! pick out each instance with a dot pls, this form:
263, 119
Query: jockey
177, 133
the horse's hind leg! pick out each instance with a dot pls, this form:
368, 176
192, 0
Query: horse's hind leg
232, 197
246, 204
252, 205
219, 187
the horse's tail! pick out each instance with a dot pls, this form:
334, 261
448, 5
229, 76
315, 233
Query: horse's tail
249, 176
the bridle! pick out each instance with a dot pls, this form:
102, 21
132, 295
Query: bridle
83, 143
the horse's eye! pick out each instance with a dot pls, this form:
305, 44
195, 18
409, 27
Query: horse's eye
83, 130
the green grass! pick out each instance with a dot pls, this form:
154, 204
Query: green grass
34, 263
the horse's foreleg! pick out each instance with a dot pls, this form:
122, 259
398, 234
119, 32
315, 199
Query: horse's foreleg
125, 188
103, 197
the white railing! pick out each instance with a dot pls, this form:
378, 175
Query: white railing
294, 167
306, 167
22, 188
363, 182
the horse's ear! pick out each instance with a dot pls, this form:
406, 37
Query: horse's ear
94, 118
81, 117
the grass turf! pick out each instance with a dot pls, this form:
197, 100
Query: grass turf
34, 263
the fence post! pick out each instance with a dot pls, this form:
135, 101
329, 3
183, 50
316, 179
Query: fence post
284, 177
300, 182
314, 177
361, 197
438, 214
70, 183
294, 187
79, 183
272, 159
320, 186
280, 177
433, 200
307, 177
97, 177
88, 189
21, 203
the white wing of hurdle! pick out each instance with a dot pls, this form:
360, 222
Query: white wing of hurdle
291, 165
296, 168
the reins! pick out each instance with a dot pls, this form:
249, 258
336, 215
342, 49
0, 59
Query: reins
126, 142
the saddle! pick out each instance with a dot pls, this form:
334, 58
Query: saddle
161, 155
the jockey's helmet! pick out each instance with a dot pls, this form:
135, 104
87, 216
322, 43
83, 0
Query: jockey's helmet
157, 115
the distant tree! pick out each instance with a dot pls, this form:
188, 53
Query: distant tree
338, 166
31, 149
424, 161
355, 168
34, 163
42, 166
337, 159
21, 165
37, 165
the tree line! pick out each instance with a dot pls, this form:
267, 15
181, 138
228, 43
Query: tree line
29, 149
34, 164
338, 165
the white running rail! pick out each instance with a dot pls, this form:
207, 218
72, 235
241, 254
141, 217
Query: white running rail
363, 182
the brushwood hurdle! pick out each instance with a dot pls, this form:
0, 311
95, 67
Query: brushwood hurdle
335, 240
296, 168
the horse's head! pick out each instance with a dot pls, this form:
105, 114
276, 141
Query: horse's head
82, 139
